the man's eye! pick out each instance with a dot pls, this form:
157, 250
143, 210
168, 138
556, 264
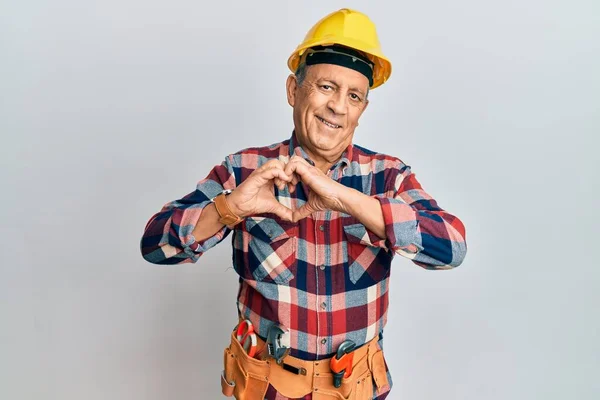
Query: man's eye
355, 97
326, 87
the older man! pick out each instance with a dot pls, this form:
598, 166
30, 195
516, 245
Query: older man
316, 222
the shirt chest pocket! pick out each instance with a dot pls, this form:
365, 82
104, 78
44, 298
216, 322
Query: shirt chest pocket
367, 264
272, 249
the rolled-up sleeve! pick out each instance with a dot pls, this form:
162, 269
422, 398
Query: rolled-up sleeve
417, 228
168, 236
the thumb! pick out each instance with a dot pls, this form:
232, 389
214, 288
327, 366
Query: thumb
283, 212
301, 213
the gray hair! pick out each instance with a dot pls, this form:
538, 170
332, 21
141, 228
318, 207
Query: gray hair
301, 75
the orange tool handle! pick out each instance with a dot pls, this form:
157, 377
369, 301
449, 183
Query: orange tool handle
344, 363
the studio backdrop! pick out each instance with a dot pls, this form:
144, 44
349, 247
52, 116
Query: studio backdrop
109, 110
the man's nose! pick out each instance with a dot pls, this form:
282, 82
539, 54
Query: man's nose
338, 103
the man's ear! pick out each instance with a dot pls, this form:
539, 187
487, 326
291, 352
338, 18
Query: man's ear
291, 85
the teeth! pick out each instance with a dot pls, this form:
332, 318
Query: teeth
328, 124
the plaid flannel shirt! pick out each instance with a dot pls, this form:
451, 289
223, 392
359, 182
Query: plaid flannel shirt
326, 277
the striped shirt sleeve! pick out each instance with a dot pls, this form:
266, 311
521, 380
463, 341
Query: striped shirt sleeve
418, 229
168, 237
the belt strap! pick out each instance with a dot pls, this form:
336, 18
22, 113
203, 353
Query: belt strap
319, 365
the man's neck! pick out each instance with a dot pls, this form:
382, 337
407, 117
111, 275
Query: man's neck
324, 163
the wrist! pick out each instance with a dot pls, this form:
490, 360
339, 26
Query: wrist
232, 202
227, 216
347, 200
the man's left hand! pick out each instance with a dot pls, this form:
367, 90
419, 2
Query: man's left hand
324, 193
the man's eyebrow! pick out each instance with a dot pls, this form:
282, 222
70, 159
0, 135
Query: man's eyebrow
330, 81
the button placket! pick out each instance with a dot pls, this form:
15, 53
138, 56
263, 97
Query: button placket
322, 267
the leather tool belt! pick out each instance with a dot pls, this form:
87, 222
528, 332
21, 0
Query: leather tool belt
247, 378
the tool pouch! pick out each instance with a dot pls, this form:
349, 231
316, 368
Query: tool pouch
247, 378
378, 369
369, 372
243, 377
357, 386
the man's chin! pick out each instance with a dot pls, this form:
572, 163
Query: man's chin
328, 140
325, 142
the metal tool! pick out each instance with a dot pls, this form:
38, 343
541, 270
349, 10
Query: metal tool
275, 347
341, 363
247, 337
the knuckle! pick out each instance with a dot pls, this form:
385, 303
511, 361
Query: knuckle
267, 165
274, 163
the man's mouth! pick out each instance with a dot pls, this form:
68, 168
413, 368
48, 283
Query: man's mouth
327, 123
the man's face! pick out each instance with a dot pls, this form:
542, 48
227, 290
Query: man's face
327, 107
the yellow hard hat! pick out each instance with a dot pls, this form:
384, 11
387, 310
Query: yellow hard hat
348, 28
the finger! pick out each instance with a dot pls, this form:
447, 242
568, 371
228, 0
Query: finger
274, 162
297, 158
301, 213
272, 173
269, 165
290, 184
295, 179
281, 184
293, 183
296, 168
283, 212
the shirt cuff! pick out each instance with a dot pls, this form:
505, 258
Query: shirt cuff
203, 245
187, 219
401, 226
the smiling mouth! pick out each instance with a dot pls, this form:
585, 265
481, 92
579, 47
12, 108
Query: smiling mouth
327, 123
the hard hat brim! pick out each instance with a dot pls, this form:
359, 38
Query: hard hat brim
381, 70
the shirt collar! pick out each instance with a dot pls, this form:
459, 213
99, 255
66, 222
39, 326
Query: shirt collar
296, 149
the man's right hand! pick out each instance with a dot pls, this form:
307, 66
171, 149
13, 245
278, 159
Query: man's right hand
256, 195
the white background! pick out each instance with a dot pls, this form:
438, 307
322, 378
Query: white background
108, 110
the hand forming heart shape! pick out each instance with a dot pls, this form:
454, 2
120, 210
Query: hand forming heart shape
256, 194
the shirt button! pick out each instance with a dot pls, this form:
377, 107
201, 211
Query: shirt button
321, 228
324, 341
322, 267
323, 305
